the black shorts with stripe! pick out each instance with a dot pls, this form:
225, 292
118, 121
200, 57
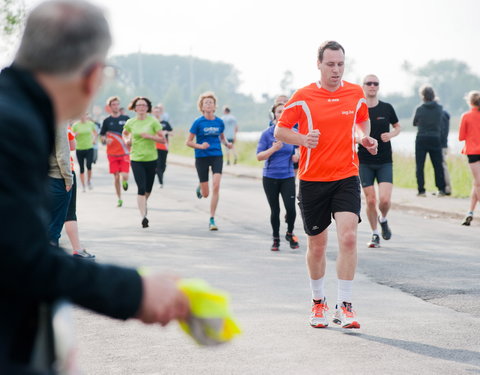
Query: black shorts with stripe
319, 201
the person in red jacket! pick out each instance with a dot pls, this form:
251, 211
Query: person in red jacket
470, 133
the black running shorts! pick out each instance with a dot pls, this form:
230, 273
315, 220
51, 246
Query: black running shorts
203, 165
319, 201
473, 158
371, 172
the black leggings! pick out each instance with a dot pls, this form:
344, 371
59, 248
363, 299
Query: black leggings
83, 155
144, 174
161, 164
273, 188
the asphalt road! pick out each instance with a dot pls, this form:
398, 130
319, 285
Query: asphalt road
417, 297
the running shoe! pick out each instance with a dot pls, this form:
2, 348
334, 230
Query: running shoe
375, 241
421, 194
83, 254
125, 185
119, 203
199, 192
318, 317
293, 240
386, 232
276, 244
468, 219
145, 222
90, 186
345, 316
212, 225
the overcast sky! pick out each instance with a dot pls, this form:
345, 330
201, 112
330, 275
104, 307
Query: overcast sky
264, 38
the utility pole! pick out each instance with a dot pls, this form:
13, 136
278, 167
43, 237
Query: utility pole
192, 78
140, 67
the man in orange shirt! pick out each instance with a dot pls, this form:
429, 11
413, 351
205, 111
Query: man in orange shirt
332, 116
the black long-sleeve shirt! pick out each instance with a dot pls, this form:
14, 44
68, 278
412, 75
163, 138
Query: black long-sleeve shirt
31, 271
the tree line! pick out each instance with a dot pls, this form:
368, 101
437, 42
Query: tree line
176, 81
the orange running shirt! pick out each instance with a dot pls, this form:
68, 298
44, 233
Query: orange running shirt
334, 114
470, 132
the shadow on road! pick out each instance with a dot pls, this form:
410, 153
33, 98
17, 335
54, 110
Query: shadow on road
465, 357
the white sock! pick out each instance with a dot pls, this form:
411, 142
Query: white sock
382, 219
344, 293
318, 288
376, 232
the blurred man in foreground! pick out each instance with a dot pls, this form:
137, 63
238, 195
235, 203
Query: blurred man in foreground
57, 70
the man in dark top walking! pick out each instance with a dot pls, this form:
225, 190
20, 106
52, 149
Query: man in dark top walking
428, 119
56, 72
378, 167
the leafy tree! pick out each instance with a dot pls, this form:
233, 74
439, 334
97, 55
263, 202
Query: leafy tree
12, 16
451, 79
177, 81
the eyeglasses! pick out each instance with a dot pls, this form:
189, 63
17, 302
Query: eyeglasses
140, 105
370, 83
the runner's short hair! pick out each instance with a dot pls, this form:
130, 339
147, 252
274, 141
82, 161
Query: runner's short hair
279, 98
133, 103
112, 99
205, 95
329, 44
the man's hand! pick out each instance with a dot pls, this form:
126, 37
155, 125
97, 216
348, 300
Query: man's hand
162, 300
311, 139
68, 188
229, 145
204, 146
386, 137
277, 145
370, 144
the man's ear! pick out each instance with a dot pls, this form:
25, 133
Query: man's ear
92, 80
318, 64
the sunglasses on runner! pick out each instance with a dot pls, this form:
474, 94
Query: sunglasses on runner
370, 83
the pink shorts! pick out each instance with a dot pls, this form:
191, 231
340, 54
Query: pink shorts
119, 164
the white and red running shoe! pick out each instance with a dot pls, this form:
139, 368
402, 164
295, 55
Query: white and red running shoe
318, 318
345, 316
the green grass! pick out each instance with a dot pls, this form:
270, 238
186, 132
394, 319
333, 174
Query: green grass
246, 151
403, 166
460, 175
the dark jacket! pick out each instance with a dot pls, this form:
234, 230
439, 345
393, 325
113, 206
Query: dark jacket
428, 119
445, 129
31, 271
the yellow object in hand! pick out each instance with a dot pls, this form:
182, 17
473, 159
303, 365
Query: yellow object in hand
210, 321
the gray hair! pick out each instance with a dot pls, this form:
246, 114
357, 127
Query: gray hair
63, 37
